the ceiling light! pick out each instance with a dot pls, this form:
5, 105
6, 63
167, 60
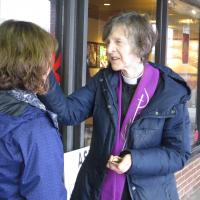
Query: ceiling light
186, 21
106, 4
153, 21
194, 12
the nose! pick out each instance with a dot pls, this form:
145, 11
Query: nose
110, 47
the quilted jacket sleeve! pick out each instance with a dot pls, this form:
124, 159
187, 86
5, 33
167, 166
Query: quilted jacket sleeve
74, 108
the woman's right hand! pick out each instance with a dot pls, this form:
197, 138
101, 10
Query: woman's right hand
119, 164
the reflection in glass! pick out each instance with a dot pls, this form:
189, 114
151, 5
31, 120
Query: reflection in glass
182, 50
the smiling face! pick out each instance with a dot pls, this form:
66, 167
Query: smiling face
119, 50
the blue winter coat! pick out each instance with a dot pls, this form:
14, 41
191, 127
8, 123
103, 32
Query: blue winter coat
158, 139
31, 153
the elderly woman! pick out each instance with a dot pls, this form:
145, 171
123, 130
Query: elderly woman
31, 151
141, 123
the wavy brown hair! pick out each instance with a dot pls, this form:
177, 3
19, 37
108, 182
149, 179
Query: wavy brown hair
25, 56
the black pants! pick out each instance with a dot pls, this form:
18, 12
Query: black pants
126, 193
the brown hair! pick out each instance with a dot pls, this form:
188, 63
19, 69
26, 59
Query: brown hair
25, 56
139, 31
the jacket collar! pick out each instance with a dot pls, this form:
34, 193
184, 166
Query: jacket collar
10, 105
31, 98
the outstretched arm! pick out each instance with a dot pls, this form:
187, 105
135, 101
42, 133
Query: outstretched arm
71, 109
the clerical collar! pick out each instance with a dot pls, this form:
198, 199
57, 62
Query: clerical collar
131, 81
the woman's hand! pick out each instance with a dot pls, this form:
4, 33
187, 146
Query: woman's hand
119, 164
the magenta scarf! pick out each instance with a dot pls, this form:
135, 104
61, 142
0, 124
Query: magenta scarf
113, 184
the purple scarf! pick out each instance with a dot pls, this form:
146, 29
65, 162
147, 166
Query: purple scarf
113, 184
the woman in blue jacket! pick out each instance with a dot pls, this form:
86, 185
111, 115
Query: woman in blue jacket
140, 119
31, 151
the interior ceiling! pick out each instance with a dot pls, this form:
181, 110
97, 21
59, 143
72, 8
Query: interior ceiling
99, 11
178, 10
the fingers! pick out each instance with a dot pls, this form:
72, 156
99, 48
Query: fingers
118, 164
114, 167
112, 163
109, 161
116, 159
125, 164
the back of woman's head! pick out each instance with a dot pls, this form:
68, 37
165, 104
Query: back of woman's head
137, 29
25, 56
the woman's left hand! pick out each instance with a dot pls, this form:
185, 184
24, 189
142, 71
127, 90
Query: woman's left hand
119, 164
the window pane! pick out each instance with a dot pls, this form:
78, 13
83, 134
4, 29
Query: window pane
182, 50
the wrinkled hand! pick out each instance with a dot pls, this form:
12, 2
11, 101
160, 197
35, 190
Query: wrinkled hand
119, 164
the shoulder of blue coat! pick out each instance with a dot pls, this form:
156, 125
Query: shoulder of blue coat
174, 81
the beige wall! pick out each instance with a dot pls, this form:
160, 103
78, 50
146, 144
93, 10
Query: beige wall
95, 30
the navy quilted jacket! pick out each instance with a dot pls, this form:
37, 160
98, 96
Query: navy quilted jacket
158, 139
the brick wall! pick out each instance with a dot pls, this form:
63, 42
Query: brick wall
188, 179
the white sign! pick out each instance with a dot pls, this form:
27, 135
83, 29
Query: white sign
72, 163
186, 29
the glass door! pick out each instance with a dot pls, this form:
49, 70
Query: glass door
183, 48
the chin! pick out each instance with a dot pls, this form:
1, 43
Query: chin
116, 68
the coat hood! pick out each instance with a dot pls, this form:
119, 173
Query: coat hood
176, 80
172, 90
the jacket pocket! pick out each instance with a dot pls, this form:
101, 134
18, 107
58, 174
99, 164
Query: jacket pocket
146, 138
170, 188
146, 133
